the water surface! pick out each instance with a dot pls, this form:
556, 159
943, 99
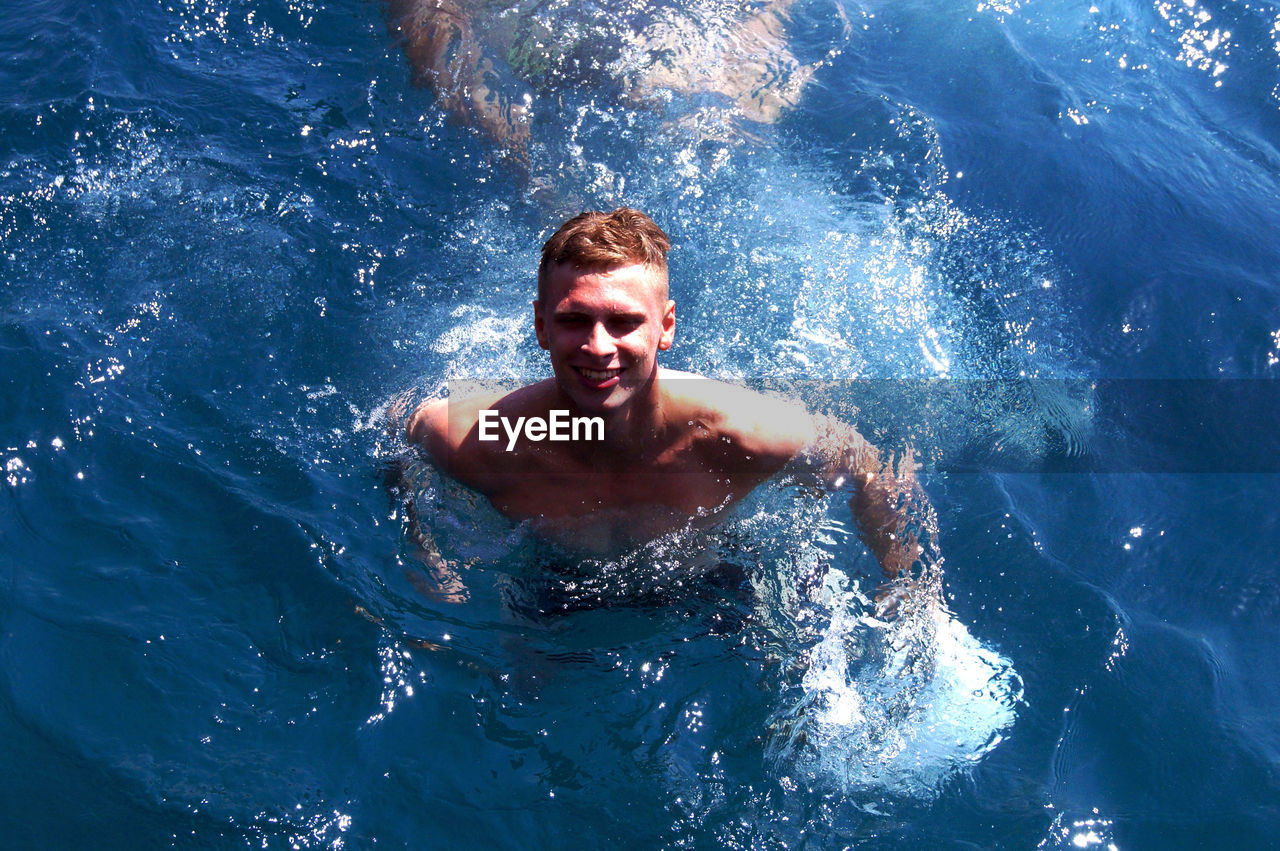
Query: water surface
232, 230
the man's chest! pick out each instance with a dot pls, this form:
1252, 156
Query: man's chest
576, 492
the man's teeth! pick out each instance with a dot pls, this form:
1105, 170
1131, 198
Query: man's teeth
600, 374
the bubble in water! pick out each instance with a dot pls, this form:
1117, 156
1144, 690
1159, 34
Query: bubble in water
897, 706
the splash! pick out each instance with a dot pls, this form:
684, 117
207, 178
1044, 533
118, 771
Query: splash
896, 707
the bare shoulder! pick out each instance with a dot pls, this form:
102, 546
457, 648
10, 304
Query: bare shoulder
442, 426
439, 425
752, 423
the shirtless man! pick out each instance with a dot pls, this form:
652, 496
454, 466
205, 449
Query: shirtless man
486, 61
674, 445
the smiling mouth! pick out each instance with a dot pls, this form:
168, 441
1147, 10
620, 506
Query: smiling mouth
598, 375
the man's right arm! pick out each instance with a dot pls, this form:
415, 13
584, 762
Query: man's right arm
425, 429
442, 429
428, 428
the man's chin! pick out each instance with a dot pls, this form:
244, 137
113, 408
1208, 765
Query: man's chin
605, 402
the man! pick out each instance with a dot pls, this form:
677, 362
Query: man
673, 445
485, 63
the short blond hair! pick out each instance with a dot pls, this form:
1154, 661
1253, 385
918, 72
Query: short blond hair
596, 241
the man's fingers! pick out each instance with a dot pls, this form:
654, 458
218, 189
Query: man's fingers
440, 583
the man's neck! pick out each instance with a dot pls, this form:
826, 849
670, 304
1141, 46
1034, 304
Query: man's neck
630, 431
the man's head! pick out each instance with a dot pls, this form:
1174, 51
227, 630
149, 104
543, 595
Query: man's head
595, 242
602, 309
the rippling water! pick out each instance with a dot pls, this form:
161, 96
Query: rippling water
232, 231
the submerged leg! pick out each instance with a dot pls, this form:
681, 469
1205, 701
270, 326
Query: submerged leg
749, 61
440, 42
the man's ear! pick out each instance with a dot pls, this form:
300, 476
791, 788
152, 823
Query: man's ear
539, 327
668, 327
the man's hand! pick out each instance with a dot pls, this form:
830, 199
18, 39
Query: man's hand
406, 477
441, 581
893, 515
887, 503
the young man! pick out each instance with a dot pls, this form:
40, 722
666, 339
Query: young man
663, 446
485, 63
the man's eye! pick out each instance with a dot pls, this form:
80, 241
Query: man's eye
626, 323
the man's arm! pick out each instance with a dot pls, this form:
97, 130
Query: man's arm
408, 475
428, 427
442, 581
439, 428
894, 517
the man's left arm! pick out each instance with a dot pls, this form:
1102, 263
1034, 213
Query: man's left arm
893, 515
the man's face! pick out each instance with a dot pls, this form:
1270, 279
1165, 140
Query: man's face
604, 331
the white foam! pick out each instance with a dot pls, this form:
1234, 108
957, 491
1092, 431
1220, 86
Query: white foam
898, 707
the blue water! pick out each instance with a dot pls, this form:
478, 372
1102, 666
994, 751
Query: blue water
232, 230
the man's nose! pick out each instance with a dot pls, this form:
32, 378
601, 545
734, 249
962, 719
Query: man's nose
600, 341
